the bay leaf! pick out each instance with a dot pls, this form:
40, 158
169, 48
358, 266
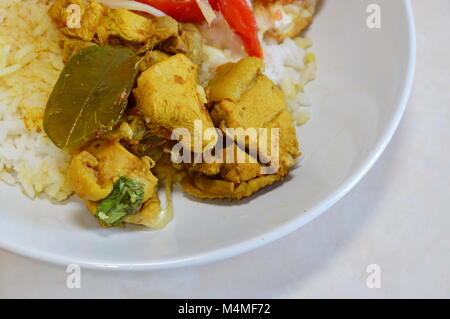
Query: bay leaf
90, 95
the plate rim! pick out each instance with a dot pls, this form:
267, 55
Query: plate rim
275, 233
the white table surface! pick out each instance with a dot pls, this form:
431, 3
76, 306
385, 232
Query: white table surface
398, 217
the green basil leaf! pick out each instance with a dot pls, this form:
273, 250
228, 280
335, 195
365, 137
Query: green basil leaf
125, 199
90, 95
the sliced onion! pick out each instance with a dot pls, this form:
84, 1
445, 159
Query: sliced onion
133, 5
206, 10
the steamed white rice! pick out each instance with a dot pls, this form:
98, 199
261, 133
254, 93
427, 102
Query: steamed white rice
31, 60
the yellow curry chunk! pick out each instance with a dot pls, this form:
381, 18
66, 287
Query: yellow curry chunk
85, 179
259, 105
238, 177
93, 172
233, 79
170, 97
115, 161
100, 24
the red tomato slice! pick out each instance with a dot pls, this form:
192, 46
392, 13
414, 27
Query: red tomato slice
180, 10
241, 20
237, 13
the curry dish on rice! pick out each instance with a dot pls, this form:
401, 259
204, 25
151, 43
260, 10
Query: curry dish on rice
133, 78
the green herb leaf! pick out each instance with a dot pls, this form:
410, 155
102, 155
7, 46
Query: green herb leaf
90, 95
125, 199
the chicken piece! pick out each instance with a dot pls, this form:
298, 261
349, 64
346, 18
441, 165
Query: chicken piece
205, 187
82, 175
102, 25
169, 96
260, 104
257, 107
232, 79
95, 170
240, 176
246, 98
91, 17
280, 19
126, 25
115, 161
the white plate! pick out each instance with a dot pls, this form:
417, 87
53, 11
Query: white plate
363, 84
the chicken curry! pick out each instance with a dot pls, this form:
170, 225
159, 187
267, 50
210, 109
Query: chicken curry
130, 82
